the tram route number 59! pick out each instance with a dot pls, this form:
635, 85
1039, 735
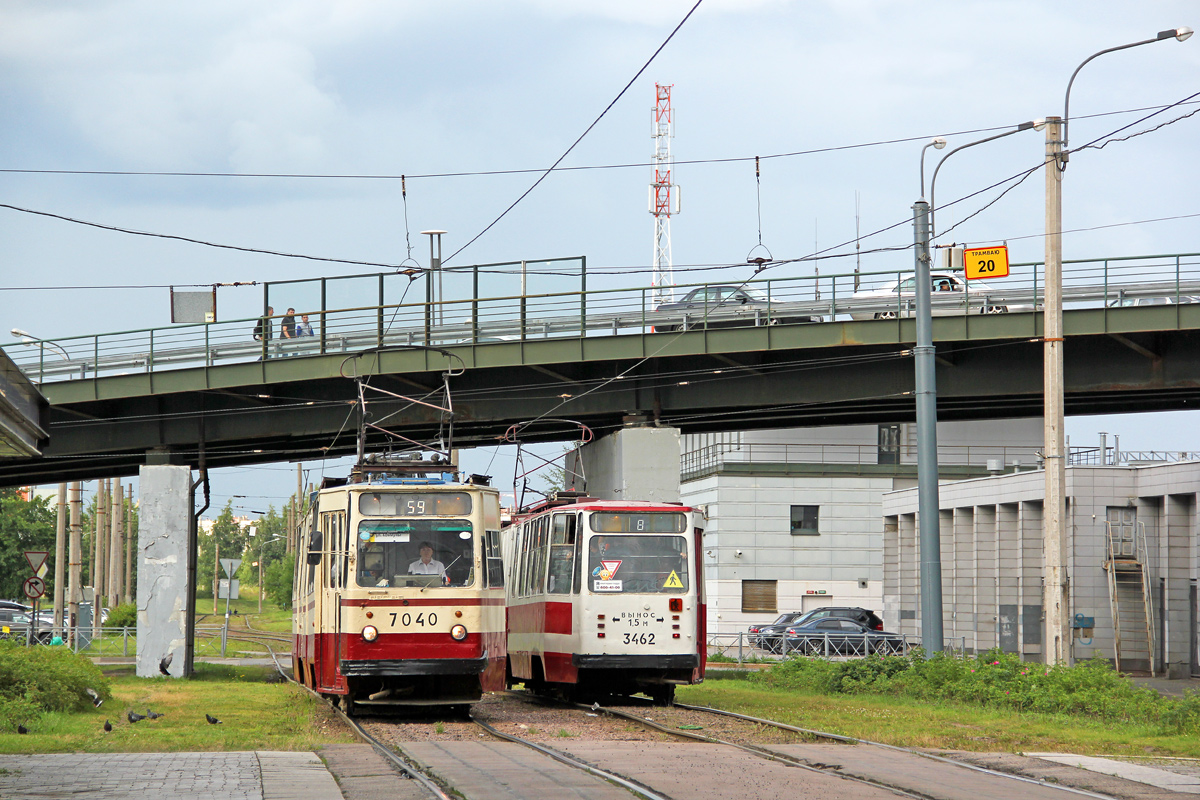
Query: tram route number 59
986, 262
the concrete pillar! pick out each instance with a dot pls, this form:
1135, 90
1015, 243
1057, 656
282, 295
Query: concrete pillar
633, 464
162, 581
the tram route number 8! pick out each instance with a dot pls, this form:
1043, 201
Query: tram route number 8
986, 262
407, 619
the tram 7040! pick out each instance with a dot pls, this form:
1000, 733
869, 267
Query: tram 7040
605, 597
398, 593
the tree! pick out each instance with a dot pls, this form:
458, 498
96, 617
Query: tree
224, 534
24, 525
278, 582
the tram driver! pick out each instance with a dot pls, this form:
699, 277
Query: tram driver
427, 564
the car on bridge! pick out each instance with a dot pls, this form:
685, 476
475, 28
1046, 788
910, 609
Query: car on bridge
950, 296
1142, 302
729, 306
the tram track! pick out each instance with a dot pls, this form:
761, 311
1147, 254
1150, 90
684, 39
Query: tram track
432, 773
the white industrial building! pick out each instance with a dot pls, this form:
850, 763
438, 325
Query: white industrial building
795, 517
1132, 553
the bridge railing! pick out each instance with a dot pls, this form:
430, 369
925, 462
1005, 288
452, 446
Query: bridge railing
1105, 283
706, 459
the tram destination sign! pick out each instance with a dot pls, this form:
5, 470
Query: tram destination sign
986, 262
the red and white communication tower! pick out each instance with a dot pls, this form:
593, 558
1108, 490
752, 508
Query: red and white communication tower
664, 196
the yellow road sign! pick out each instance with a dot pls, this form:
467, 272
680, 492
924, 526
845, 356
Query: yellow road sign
986, 262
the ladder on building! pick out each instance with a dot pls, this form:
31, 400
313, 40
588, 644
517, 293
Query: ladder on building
1129, 595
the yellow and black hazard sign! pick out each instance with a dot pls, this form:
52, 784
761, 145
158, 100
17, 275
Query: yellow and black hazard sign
672, 581
986, 262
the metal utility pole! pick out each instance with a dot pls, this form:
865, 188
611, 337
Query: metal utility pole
127, 513
76, 559
927, 463
60, 558
664, 196
115, 549
432, 291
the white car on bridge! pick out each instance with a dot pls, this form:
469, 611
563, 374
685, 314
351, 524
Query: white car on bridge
951, 296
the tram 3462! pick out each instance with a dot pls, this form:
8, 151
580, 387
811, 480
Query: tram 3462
605, 597
398, 592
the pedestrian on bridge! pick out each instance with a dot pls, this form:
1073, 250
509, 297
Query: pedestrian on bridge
262, 328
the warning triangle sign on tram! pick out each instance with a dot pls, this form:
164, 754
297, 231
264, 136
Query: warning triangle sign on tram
673, 581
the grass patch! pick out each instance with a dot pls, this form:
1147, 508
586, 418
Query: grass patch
1012, 706
255, 715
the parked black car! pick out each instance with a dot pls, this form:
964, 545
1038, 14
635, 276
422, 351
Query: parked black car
728, 307
863, 615
770, 637
843, 637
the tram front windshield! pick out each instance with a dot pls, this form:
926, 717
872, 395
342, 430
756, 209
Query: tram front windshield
637, 564
416, 552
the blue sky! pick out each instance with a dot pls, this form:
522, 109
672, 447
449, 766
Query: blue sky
358, 88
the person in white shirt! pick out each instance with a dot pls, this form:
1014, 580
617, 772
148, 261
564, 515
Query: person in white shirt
427, 564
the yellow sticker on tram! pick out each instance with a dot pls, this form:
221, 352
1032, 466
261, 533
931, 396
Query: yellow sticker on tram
673, 581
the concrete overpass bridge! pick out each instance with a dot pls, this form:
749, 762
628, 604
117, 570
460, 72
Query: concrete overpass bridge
598, 357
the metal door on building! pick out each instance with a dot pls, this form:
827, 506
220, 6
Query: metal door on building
1122, 532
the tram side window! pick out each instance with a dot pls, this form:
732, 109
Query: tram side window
562, 553
495, 565
543, 545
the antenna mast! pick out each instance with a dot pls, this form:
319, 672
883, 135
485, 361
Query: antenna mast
664, 197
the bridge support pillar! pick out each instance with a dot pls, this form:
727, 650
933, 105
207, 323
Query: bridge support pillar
163, 597
635, 463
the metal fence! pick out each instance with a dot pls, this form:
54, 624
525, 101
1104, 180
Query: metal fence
359, 312
744, 648
115, 642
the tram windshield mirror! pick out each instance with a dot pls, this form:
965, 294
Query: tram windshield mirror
638, 564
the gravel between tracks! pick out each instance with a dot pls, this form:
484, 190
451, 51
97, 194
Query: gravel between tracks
548, 724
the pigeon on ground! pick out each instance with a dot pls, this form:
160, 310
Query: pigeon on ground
212, 720
164, 664
133, 717
22, 729
96, 701
107, 726
153, 714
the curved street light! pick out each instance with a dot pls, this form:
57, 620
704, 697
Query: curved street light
31, 340
1036, 124
1054, 577
937, 143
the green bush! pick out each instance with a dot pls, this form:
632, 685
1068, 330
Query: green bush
994, 679
277, 582
39, 679
123, 616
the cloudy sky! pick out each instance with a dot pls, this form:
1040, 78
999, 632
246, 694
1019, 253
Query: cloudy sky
359, 93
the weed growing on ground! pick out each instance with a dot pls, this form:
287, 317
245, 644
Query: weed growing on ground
995, 680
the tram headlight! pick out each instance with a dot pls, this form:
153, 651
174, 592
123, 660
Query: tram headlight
458, 633
370, 633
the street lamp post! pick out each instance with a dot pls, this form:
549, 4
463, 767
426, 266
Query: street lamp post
42, 344
927, 466
1055, 579
926, 389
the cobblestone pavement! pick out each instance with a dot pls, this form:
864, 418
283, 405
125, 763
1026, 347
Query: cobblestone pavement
180, 776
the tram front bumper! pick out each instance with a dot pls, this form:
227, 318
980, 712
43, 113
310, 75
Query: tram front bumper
637, 662
402, 667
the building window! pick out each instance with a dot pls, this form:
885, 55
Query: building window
889, 444
759, 596
804, 520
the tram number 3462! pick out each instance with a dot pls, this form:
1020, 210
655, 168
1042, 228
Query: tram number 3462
639, 638
407, 619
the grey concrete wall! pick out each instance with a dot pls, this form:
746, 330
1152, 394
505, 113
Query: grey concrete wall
635, 464
164, 515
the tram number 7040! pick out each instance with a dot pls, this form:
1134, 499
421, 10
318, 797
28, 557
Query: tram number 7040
407, 619
639, 638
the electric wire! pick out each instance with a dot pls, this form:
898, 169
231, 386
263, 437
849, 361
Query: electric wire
536, 170
595, 122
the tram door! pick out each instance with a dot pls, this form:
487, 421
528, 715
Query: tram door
337, 585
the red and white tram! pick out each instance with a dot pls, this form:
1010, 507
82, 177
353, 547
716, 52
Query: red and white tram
605, 597
398, 596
